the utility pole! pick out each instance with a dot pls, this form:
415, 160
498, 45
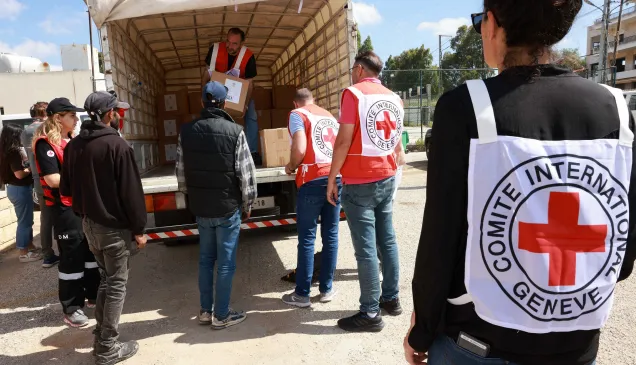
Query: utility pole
618, 29
602, 64
441, 86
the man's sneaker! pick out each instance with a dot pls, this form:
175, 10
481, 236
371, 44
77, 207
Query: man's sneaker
392, 307
31, 256
51, 261
296, 300
362, 323
77, 319
121, 351
91, 303
205, 317
328, 296
232, 319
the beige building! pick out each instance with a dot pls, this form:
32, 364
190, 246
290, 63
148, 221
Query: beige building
626, 51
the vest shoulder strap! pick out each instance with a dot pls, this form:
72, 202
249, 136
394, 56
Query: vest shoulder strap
484, 113
358, 94
215, 56
625, 135
239, 59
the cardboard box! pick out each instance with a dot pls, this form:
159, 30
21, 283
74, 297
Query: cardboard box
170, 126
275, 146
284, 97
280, 118
168, 151
262, 98
264, 119
238, 93
195, 103
175, 102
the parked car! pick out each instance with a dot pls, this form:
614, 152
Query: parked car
427, 141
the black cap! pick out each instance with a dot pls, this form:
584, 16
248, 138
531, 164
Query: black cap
60, 105
98, 103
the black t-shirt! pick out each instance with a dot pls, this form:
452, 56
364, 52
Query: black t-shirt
16, 162
48, 162
556, 106
250, 68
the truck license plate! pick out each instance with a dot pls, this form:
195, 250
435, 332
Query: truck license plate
264, 203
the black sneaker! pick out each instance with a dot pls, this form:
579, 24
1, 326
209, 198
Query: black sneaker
393, 308
120, 352
362, 323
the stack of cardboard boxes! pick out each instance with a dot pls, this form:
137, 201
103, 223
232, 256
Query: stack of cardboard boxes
272, 108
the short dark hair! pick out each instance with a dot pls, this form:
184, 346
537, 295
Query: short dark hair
38, 110
370, 61
237, 31
303, 95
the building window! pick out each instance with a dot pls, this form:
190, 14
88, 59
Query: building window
621, 38
594, 68
620, 64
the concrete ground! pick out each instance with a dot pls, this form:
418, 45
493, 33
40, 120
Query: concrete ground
162, 302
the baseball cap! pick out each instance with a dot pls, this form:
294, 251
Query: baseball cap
60, 105
217, 92
100, 102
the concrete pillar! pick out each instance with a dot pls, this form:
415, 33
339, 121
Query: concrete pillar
629, 61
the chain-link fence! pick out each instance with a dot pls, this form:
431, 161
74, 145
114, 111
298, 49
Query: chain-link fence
420, 90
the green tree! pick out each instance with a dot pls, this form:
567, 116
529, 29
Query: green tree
467, 54
359, 38
367, 45
569, 57
410, 70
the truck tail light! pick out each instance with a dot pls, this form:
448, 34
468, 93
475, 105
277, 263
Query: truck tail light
150, 207
164, 202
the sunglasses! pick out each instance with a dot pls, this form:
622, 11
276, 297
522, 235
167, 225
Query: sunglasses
478, 18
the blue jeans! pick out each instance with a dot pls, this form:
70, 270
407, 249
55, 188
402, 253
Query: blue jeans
445, 351
369, 210
218, 239
311, 204
22, 199
251, 127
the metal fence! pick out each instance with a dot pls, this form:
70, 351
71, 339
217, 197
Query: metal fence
596, 75
420, 90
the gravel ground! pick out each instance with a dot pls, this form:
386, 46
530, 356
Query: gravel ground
162, 302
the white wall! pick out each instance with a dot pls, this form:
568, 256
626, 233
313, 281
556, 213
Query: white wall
18, 92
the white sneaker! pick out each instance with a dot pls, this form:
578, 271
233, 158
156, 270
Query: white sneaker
328, 296
205, 318
31, 256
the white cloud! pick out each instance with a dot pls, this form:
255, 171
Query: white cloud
52, 25
29, 47
567, 42
366, 14
10, 9
50, 28
446, 26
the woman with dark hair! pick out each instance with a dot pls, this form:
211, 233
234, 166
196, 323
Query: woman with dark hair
17, 176
530, 219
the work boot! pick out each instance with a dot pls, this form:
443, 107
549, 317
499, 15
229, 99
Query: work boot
121, 351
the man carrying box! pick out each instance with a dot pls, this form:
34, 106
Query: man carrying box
313, 131
235, 59
215, 169
367, 153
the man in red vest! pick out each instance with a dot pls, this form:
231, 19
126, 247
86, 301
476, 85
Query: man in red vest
313, 131
367, 153
234, 58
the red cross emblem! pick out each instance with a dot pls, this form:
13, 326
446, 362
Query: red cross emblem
330, 137
387, 125
562, 238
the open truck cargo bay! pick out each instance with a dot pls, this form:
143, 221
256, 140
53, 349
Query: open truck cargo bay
152, 47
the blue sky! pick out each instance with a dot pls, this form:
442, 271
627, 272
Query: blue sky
38, 27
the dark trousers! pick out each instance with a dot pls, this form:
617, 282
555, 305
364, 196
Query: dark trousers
47, 214
78, 274
112, 249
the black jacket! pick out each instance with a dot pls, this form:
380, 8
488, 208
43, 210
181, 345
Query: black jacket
558, 105
209, 160
100, 174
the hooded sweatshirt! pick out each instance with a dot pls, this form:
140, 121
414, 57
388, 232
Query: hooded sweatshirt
100, 174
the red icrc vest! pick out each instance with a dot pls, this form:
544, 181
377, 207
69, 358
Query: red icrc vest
219, 59
321, 130
378, 132
49, 199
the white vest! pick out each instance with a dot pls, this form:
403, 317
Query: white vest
548, 224
324, 131
233, 71
381, 122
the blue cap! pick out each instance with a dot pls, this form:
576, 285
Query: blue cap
214, 92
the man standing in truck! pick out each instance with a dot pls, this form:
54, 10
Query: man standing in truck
215, 169
367, 153
234, 58
313, 131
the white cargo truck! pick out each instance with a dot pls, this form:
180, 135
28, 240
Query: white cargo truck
155, 46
